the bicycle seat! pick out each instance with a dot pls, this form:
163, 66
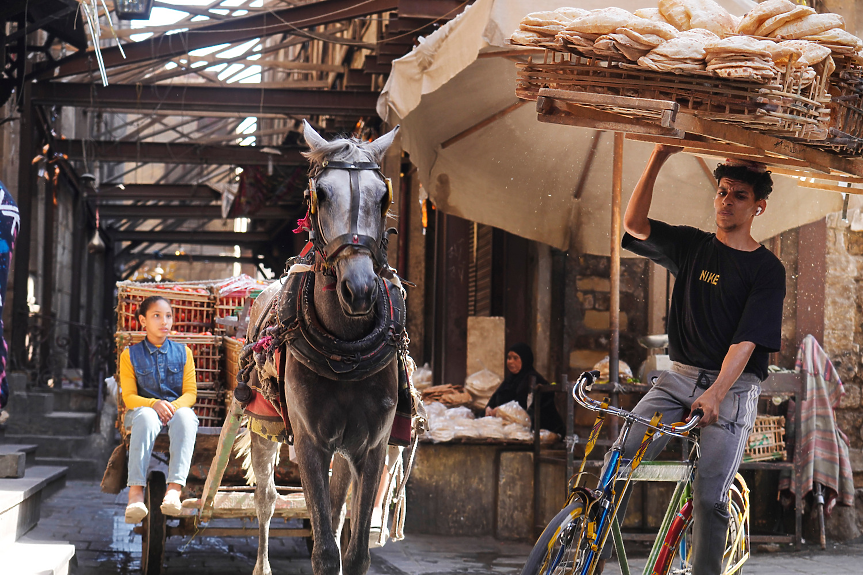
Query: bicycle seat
658, 341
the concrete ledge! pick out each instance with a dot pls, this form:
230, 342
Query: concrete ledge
30, 557
21, 501
28, 449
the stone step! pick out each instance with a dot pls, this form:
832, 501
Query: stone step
30, 404
55, 423
76, 400
78, 468
29, 556
20, 500
17, 381
53, 445
27, 447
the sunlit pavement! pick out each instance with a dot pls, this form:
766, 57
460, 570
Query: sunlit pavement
93, 522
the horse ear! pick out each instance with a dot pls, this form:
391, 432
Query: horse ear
313, 139
380, 146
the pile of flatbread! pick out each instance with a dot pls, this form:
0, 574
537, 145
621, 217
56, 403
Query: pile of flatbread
616, 32
684, 53
785, 20
742, 57
541, 28
694, 35
701, 14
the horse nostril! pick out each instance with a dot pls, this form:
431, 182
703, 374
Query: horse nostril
347, 293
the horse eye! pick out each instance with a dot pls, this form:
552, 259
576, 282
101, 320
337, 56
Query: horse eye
322, 194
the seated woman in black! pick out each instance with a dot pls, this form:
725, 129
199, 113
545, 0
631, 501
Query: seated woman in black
516, 386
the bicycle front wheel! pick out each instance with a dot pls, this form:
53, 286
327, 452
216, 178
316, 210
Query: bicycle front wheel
561, 549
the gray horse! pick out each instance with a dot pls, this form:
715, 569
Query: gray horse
349, 418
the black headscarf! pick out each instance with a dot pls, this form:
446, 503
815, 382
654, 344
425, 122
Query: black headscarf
516, 386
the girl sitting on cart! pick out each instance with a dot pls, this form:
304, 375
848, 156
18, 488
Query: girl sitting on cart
157, 377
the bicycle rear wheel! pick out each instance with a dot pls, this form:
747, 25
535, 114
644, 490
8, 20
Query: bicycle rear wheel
560, 549
675, 558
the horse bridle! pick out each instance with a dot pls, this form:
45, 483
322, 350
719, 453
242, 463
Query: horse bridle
330, 249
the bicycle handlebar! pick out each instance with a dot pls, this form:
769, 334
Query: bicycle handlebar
586, 381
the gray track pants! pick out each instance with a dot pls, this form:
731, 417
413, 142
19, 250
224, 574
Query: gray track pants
722, 446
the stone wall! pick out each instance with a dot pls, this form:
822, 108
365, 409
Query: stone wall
590, 315
843, 330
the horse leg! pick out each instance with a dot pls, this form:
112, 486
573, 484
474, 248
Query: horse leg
314, 464
263, 463
340, 482
357, 558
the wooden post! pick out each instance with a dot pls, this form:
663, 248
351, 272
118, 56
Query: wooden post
538, 525
614, 305
27, 183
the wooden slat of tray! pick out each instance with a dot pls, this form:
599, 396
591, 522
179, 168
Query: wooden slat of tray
773, 150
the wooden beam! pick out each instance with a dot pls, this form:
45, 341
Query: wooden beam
588, 162
482, 124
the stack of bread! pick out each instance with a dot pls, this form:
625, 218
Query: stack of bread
684, 53
741, 57
695, 35
785, 20
541, 28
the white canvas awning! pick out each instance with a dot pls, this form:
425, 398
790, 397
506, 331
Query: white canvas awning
518, 174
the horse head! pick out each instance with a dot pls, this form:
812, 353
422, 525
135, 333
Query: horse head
348, 200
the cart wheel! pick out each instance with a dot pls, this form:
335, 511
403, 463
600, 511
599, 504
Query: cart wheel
155, 531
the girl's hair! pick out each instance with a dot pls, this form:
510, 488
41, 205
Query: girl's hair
145, 305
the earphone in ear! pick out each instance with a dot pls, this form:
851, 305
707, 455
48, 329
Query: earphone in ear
758, 211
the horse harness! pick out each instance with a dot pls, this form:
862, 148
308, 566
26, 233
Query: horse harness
291, 319
329, 249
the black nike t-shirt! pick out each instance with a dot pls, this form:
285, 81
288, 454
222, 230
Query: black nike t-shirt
722, 296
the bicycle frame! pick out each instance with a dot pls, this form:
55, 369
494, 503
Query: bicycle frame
599, 528
595, 530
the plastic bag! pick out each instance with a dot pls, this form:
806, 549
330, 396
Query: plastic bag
422, 377
512, 412
490, 427
481, 385
464, 428
435, 409
517, 432
546, 436
624, 371
458, 413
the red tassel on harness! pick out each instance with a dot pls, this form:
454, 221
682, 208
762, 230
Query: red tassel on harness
304, 225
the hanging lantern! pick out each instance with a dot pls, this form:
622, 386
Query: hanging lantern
133, 9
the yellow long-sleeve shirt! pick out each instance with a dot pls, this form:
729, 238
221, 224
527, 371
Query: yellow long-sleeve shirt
129, 383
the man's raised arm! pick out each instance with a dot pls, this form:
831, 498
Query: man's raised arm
635, 220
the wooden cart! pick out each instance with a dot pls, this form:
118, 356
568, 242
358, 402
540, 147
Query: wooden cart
207, 497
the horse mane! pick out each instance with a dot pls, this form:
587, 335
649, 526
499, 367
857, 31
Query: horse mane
340, 150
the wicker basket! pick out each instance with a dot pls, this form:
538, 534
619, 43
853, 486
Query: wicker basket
210, 408
767, 439
781, 108
192, 305
232, 349
206, 349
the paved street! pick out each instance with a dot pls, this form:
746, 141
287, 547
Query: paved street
105, 545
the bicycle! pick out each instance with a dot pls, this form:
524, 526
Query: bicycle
572, 541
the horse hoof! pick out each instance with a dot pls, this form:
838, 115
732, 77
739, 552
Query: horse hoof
265, 570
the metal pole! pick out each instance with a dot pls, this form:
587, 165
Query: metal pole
614, 306
570, 430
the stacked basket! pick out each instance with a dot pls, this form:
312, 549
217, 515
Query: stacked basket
196, 305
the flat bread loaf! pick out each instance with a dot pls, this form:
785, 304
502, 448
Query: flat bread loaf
812, 24
707, 14
602, 21
837, 37
810, 52
645, 26
738, 45
644, 39
651, 14
772, 24
761, 13
525, 38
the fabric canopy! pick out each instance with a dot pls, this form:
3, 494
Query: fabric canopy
519, 174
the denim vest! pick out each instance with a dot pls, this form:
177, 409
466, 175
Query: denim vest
159, 370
